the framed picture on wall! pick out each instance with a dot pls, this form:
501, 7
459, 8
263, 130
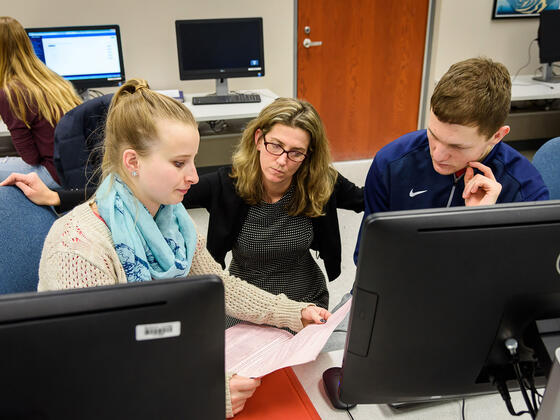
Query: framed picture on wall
504, 9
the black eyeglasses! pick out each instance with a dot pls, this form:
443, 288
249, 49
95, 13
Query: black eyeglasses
277, 150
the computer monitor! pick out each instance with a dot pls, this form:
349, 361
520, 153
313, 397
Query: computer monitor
151, 350
87, 56
549, 47
438, 292
219, 49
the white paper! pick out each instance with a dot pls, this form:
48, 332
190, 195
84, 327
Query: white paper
256, 350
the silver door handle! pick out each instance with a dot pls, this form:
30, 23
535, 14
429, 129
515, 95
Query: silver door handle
308, 43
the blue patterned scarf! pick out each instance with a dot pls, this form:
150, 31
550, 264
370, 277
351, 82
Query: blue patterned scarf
148, 248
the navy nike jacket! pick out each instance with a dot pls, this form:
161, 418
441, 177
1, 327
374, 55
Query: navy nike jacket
402, 177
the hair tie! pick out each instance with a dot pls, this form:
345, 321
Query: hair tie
134, 85
140, 87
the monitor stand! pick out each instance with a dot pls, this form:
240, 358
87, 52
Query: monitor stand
547, 75
331, 382
222, 87
224, 96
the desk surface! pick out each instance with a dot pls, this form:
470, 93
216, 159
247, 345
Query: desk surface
229, 111
524, 88
476, 408
214, 112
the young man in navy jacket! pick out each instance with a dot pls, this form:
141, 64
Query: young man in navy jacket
460, 160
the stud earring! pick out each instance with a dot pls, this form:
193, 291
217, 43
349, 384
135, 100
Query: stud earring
134, 173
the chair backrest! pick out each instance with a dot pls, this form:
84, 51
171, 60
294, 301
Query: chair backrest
547, 162
76, 139
23, 229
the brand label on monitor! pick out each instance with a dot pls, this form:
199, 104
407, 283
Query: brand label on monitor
157, 331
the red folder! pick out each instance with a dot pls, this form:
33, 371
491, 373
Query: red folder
280, 397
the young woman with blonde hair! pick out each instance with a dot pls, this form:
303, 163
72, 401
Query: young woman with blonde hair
32, 101
279, 201
136, 229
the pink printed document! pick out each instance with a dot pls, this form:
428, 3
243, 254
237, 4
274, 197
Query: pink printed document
257, 350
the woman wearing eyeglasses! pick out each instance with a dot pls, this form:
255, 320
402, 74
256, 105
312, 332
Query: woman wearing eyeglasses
277, 202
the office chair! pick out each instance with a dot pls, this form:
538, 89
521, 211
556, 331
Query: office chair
547, 162
23, 228
77, 138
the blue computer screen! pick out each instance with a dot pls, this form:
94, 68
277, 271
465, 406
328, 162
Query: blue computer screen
80, 54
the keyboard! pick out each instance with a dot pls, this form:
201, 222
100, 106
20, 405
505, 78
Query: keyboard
236, 98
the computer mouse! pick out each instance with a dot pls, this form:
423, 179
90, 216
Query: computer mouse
331, 382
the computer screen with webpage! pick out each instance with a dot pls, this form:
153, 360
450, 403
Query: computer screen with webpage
88, 56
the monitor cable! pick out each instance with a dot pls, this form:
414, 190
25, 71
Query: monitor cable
501, 385
217, 126
94, 93
528, 371
525, 65
512, 346
528, 60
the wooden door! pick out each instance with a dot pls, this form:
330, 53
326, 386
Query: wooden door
365, 77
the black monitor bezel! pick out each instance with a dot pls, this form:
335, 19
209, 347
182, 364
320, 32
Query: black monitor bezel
77, 354
223, 73
83, 84
549, 27
366, 377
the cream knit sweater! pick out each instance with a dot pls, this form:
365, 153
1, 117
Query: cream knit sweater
79, 252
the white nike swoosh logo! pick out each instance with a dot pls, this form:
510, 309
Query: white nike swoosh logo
413, 193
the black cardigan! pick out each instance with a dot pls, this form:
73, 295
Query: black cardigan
216, 193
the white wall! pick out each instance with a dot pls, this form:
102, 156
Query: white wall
148, 34
464, 29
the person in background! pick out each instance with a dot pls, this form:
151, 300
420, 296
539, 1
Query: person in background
277, 202
32, 101
136, 229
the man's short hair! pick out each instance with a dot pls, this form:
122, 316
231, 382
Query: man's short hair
475, 93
